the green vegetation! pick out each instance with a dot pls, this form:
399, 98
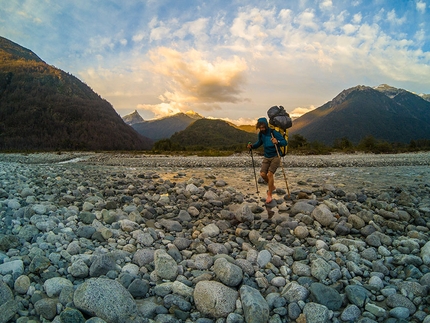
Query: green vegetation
298, 145
45, 109
206, 134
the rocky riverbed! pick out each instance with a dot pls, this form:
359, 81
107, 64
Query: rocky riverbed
89, 237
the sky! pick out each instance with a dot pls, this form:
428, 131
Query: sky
227, 59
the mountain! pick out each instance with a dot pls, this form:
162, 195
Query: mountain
45, 108
384, 112
212, 133
247, 128
132, 118
425, 97
165, 127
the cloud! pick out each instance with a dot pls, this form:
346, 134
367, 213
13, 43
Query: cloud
193, 82
238, 122
393, 19
196, 28
250, 24
297, 112
214, 58
159, 33
421, 7
306, 19
326, 4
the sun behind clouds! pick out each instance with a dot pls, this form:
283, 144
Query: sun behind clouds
194, 82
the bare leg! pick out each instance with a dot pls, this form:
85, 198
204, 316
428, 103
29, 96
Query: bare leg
264, 176
271, 184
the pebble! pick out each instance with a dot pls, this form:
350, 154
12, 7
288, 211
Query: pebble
120, 238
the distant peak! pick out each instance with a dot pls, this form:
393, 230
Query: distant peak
18, 51
132, 118
383, 87
193, 114
388, 90
341, 97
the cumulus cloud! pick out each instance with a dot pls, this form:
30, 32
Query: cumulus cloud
307, 20
196, 28
421, 6
194, 82
298, 54
238, 122
326, 4
392, 18
297, 112
249, 24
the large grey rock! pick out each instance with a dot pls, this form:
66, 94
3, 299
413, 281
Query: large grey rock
211, 230
8, 305
214, 299
165, 266
397, 300
171, 225
102, 264
293, 292
244, 214
28, 232
203, 261
323, 215
143, 257
53, 286
326, 295
316, 313
279, 249
14, 267
255, 307
22, 284
78, 269
228, 273
302, 207
263, 258
357, 295
71, 315
320, 269
350, 314
105, 298
425, 253
46, 307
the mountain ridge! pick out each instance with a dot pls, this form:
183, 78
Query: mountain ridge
165, 127
45, 108
386, 113
212, 133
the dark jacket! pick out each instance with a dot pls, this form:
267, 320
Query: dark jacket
265, 139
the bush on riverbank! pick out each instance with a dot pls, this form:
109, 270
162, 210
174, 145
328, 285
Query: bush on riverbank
299, 145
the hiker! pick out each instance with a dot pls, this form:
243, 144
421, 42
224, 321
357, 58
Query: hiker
272, 160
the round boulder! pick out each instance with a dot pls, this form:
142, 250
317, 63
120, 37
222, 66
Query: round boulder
215, 299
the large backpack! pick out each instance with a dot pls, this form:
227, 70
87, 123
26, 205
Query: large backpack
280, 121
278, 117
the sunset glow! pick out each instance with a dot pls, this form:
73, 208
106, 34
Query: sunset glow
226, 59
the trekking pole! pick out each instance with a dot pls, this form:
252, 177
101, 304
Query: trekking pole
282, 167
255, 174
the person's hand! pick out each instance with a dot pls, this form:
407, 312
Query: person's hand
275, 141
249, 146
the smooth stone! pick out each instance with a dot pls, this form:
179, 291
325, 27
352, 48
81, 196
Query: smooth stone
255, 307
325, 295
165, 266
214, 298
316, 313
105, 298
